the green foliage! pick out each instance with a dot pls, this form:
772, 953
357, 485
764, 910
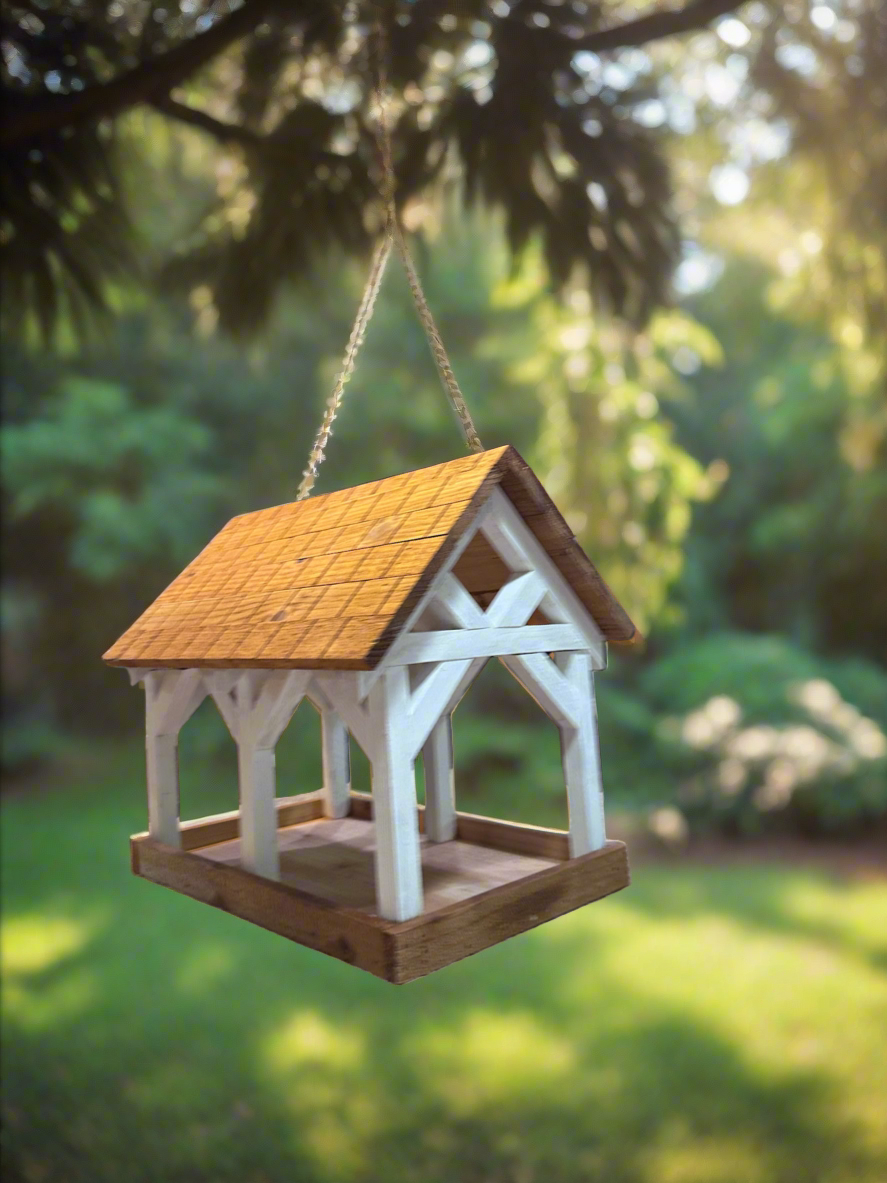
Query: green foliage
795, 438
133, 480
756, 732
629, 495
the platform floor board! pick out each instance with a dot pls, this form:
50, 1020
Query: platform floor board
333, 860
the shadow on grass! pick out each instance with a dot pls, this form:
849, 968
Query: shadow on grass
147, 1038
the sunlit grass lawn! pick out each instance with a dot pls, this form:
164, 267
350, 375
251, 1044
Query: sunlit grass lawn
707, 1026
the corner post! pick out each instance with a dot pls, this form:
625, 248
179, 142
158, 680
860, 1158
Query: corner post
398, 863
580, 754
440, 788
162, 764
171, 698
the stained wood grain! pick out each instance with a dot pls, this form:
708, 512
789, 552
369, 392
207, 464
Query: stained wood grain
476, 896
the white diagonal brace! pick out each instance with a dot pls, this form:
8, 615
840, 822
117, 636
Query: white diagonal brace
431, 699
541, 678
279, 693
457, 603
220, 684
340, 689
257, 705
516, 601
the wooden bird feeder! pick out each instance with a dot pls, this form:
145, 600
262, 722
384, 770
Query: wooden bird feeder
381, 604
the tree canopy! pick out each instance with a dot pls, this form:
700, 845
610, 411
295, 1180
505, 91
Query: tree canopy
562, 116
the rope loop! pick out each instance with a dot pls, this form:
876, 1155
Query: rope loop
392, 235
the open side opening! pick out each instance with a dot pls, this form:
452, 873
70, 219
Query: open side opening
432, 619
483, 571
507, 753
298, 757
207, 765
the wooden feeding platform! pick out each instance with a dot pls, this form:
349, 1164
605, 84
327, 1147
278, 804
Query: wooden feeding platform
494, 880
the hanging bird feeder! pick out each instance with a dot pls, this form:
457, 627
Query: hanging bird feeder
381, 604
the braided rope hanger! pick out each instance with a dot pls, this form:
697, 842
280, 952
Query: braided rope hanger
392, 235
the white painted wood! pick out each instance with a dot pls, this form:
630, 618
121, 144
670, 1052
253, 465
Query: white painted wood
336, 764
541, 678
364, 680
506, 531
137, 674
440, 787
456, 644
457, 604
581, 759
516, 601
171, 698
258, 815
463, 685
162, 764
220, 684
341, 690
431, 700
398, 866
276, 697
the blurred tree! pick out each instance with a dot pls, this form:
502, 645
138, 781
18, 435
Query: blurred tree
787, 428
557, 114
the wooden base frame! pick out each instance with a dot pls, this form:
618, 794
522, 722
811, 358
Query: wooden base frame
494, 880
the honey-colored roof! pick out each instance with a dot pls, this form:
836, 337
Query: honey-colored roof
329, 582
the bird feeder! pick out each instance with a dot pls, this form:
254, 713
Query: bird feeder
380, 604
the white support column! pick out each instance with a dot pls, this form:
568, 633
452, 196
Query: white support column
398, 863
440, 788
336, 764
162, 761
581, 758
258, 814
171, 698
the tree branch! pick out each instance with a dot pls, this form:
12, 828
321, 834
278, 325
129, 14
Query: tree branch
28, 118
271, 146
698, 14
225, 133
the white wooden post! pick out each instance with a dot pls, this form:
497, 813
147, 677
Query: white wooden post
336, 764
398, 864
581, 758
256, 769
162, 761
171, 698
440, 789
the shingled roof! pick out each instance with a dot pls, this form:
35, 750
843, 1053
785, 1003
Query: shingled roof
328, 583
